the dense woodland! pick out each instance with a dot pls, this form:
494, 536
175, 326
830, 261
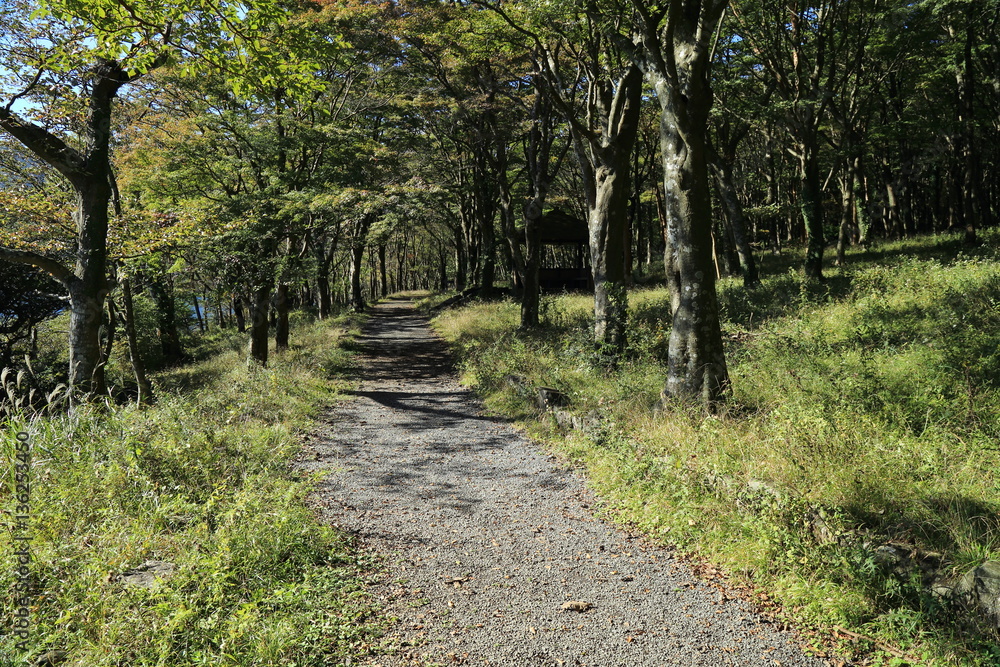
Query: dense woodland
192, 164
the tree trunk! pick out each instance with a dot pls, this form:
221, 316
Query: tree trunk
737, 222
197, 314
110, 328
166, 313
461, 261
811, 207
861, 209
135, 355
894, 224
604, 163
86, 370
507, 217
384, 288
259, 307
696, 365
89, 173
442, 271
281, 307
241, 322
357, 297
532, 264
846, 218
608, 227
696, 359
325, 298
771, 177
668, 230
488, 266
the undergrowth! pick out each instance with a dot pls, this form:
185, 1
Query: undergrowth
865, 412
201, 480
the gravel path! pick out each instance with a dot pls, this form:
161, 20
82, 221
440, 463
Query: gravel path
486, 537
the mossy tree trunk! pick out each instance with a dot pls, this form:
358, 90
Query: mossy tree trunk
604, 151
88, 171
676, 55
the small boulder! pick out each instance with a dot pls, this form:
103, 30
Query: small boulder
146, 575
564, 418
978, 589
515, 381
588, 423
51, 659
821, 530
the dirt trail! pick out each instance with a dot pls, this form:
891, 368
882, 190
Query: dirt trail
486, 537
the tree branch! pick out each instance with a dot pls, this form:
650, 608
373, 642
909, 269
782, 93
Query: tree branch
65, 159
28, 89
53, 267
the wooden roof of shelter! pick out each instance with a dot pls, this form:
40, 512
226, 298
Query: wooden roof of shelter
557, 226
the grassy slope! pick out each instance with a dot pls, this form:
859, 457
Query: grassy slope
202, 480
870, 401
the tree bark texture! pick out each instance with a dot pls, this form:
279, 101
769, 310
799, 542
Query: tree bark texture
677, 65
241, 320
532, 264
604, 151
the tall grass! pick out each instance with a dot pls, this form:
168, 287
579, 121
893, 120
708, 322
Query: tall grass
865, 411
201, 480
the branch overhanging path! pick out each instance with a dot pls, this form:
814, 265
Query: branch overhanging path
486, 537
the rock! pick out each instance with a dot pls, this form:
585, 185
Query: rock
146, 575
978, 590
890, 555
763, 488
588, 423
50, 659
905, 560
578, 606
563, 418
821, 529
518, 382
549, 398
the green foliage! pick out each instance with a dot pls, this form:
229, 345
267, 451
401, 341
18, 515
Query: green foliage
201, 480
867, 405
236, 37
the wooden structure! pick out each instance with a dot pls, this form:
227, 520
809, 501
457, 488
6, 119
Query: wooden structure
565, 259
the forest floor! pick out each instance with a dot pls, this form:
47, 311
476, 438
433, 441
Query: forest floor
493, 550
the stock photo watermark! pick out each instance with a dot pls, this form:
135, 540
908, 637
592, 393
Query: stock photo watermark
21, 537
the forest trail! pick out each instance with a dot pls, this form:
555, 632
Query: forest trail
486, 537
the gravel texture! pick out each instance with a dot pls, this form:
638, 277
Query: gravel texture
492, 551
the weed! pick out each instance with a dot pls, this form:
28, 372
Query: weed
201, 480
